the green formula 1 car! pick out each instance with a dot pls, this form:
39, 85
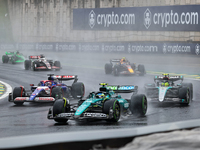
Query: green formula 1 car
104, 104
13, 57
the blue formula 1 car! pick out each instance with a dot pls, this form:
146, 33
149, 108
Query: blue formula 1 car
169, 89
104, 104
48, 90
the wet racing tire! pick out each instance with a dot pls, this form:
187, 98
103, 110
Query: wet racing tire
114, 105
57, 93
60, 107
27, 64
141, 69
138, 105
78, 89
57, 64
190, 86
17, 93
5, 59
184, 95
133, 66
108, 68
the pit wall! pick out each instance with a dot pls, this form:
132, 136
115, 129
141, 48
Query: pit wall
52, 21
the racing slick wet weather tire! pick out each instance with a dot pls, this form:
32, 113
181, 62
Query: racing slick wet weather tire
27, 64
114, 105
116, 70
17, 93
59, 107
138, 104
78, 89
57, 64
184, 93
57, 93
190, 86
108, 68
5, 59
141, 69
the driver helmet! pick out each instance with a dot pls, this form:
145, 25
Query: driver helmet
165, 84
100, 95
123, 59
48, 84
17, 52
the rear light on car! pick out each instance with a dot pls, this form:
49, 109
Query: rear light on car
31, 84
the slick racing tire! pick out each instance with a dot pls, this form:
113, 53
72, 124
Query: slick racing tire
141, 69
78, 89
184, 95
27, 64
60, 107
5, 59
114, 105
116, 70
17, 93
138, 105
108, 68
57, 64
57, 93
190, 86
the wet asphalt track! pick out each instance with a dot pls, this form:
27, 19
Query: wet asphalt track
32, 118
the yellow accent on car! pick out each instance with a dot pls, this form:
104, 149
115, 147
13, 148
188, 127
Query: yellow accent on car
131, 70
103, 83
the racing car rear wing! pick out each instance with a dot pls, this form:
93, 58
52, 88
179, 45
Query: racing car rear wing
123, 88
34, 57
115, 60
169, 78
62, 77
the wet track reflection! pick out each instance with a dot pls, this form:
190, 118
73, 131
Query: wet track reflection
31, 118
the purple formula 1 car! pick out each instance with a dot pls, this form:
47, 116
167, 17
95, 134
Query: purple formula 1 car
48, 90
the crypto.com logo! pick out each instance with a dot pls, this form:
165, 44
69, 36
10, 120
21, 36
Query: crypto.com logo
92, 20
147, 18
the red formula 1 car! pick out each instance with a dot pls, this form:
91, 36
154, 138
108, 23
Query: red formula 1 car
41, 63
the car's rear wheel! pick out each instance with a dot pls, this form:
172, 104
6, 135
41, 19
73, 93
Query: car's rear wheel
138, 104
78, 89
141, 69
5, 59
113, 105
17, 92
27, 64
57, 93
60, 106
108, 68
57, 64
190, 86
184, 95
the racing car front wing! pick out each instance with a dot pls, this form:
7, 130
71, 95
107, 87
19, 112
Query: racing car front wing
27, 99
86, 115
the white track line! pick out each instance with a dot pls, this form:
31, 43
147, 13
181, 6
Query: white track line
8, 90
